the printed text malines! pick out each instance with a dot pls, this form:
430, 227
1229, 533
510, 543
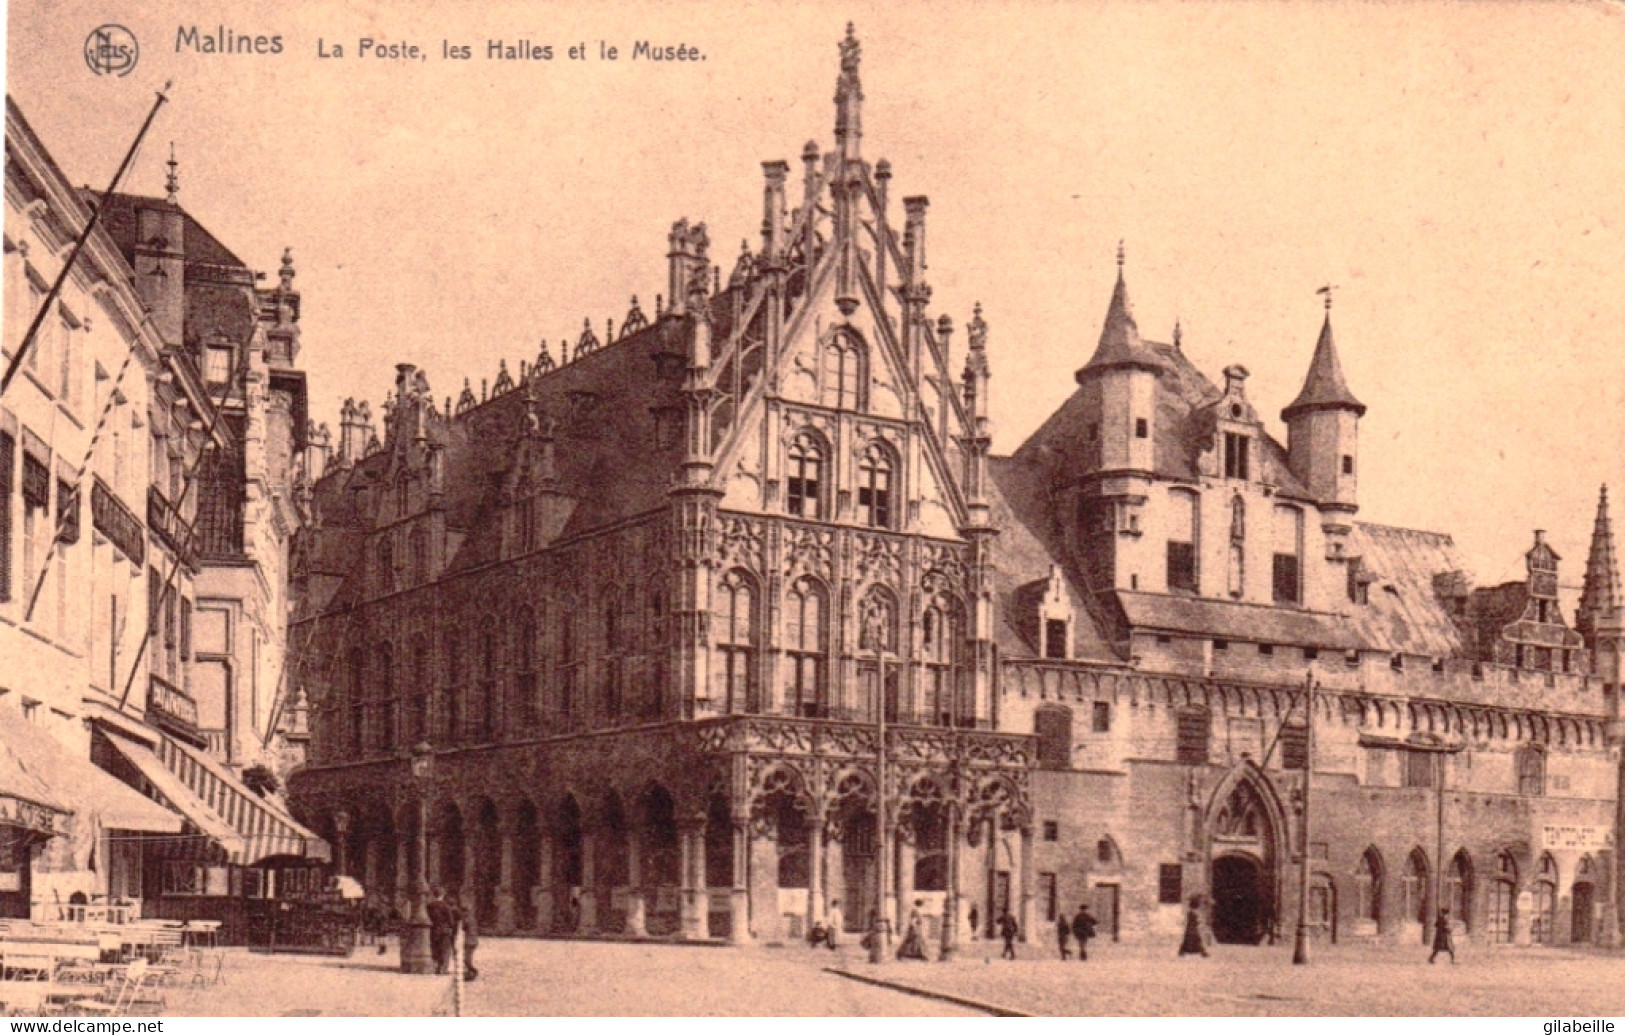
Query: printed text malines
225, 41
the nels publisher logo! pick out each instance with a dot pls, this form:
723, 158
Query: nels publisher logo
111, 50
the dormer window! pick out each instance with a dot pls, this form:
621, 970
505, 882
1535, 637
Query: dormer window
1055, 639
217, 364
1235, 455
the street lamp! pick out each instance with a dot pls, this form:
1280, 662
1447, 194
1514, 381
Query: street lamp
1300, 943
415, 955
876, 623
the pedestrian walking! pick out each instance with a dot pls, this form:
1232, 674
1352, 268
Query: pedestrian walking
1442, 939
913, 947
442, 929
1192, 945
973, 919
468, 916
1063, 936
833, 921
1008, 929
1083, 929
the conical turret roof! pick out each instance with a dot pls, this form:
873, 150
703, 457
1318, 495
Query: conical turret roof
1324, 388
1120, 344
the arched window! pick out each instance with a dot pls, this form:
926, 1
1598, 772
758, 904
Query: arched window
420, 556
358, 707
805, 636
570, 653
1503, 898
420, 687
1532, 771
941, 635
804, 478
1368, 887
614, 647
451, 698
386, 566
1584, 896
654, 687
1417, 890
1543, 924
486, 697
875, 487
384, 705
734, 622
1459, 887
843, 372
1053, 726
877, 648
527, 684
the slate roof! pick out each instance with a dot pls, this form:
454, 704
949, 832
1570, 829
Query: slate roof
1404, 612
1324, 387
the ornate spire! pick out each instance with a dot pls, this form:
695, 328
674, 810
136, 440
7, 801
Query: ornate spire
1120, 343
849, 96
285, 274
1600, 597
172, 183
1324, 387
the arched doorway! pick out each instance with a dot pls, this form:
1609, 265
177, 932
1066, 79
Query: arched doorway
568, 868
1418, 906
1241, 900
1585, 897
527, 856
1244, 887
1543, 921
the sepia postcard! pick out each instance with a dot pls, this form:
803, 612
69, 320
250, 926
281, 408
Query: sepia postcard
922, 509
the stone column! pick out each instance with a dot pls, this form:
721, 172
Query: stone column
541, 896
903, 884
504, 892
589, 895
815, 867
1026, 917
702, 902
687, 920
636, 909
950, 901
1523, 905
739, 895
369, 864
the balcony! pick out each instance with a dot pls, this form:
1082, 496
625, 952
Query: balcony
173, 711
165, 520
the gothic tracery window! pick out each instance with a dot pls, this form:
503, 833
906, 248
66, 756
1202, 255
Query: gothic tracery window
805, 638
875, 487
843, 372
941, 635
734, 622
804, 479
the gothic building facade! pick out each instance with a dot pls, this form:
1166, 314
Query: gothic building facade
729, 619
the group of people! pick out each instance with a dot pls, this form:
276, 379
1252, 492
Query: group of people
1081, 927
446, 917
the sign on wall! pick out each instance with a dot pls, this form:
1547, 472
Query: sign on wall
1556, 838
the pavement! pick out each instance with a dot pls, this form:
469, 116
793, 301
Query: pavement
524, 977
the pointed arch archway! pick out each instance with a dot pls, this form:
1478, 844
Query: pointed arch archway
1246, 834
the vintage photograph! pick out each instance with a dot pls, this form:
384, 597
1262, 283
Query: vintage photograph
750, 509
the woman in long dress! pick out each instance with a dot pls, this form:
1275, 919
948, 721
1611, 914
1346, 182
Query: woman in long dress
913, 947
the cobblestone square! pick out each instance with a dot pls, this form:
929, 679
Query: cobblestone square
565, 978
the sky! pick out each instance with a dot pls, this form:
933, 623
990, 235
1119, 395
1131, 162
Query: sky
1454, 170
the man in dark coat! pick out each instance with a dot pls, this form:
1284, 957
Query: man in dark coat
1442, 940
1063, 934
468, 916
1083, 929
1008, 929
442, 928
1192, 944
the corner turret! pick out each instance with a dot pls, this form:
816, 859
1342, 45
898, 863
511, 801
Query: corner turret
1323, 425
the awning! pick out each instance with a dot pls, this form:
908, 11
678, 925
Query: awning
37, 771
247, 826
168, 788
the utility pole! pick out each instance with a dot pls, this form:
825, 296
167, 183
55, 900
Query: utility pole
1300, 944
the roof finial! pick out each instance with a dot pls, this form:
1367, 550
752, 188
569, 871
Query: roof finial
285, 274
1326, 293
1178, 333
1119, 256
172, 183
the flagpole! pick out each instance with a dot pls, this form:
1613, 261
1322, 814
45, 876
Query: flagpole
78, 245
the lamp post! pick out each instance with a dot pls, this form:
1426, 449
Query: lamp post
1300, 943
879, 931
415, 955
